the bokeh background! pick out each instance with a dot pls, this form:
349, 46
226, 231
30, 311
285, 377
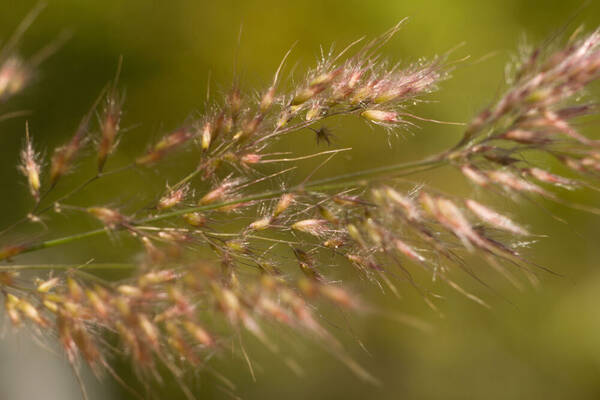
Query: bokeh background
540, 343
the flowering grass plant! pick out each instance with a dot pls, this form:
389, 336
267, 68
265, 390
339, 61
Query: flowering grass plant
198, 283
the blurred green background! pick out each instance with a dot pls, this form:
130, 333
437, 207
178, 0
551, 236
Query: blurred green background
540, 343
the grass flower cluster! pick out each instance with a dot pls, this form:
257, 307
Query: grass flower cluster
179, 307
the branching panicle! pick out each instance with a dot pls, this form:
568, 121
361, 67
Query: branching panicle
382, 225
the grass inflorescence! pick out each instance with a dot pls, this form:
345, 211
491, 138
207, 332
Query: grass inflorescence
274, 270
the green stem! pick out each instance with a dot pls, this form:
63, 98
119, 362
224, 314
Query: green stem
42, 267
64, 240
325, 184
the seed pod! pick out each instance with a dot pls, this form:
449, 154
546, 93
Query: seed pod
307, 265
338, 296
212, 196
362, 263
130, 340
122, 305
97, 303
157, 277
328, 215
547, 177
164, 146
234, 100
349, 200
149, 331
195, 219
313, 112
427, 203
408, 251
14, 75
305, 94
374, 232
129, 291
268, 267
355, 77
63, 157
308, 287
267, 100
316, 227
474, 175
260, 224
409, 207
273, 310
493, 218
178, 343
85, 344
250, 159
355, 235
10, 304
380, 116
589, 163
389, 95
48, 285
174, 236
219, 193
29, 311
111, 218
172, 198
227, 124
362, 94
283, 119
284, 202
30, 166
333, 243
526, 136
449, 215
109, 126
198, 333
75, 291
325, 78
510, 181
50, 306
228, 302
64, 326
